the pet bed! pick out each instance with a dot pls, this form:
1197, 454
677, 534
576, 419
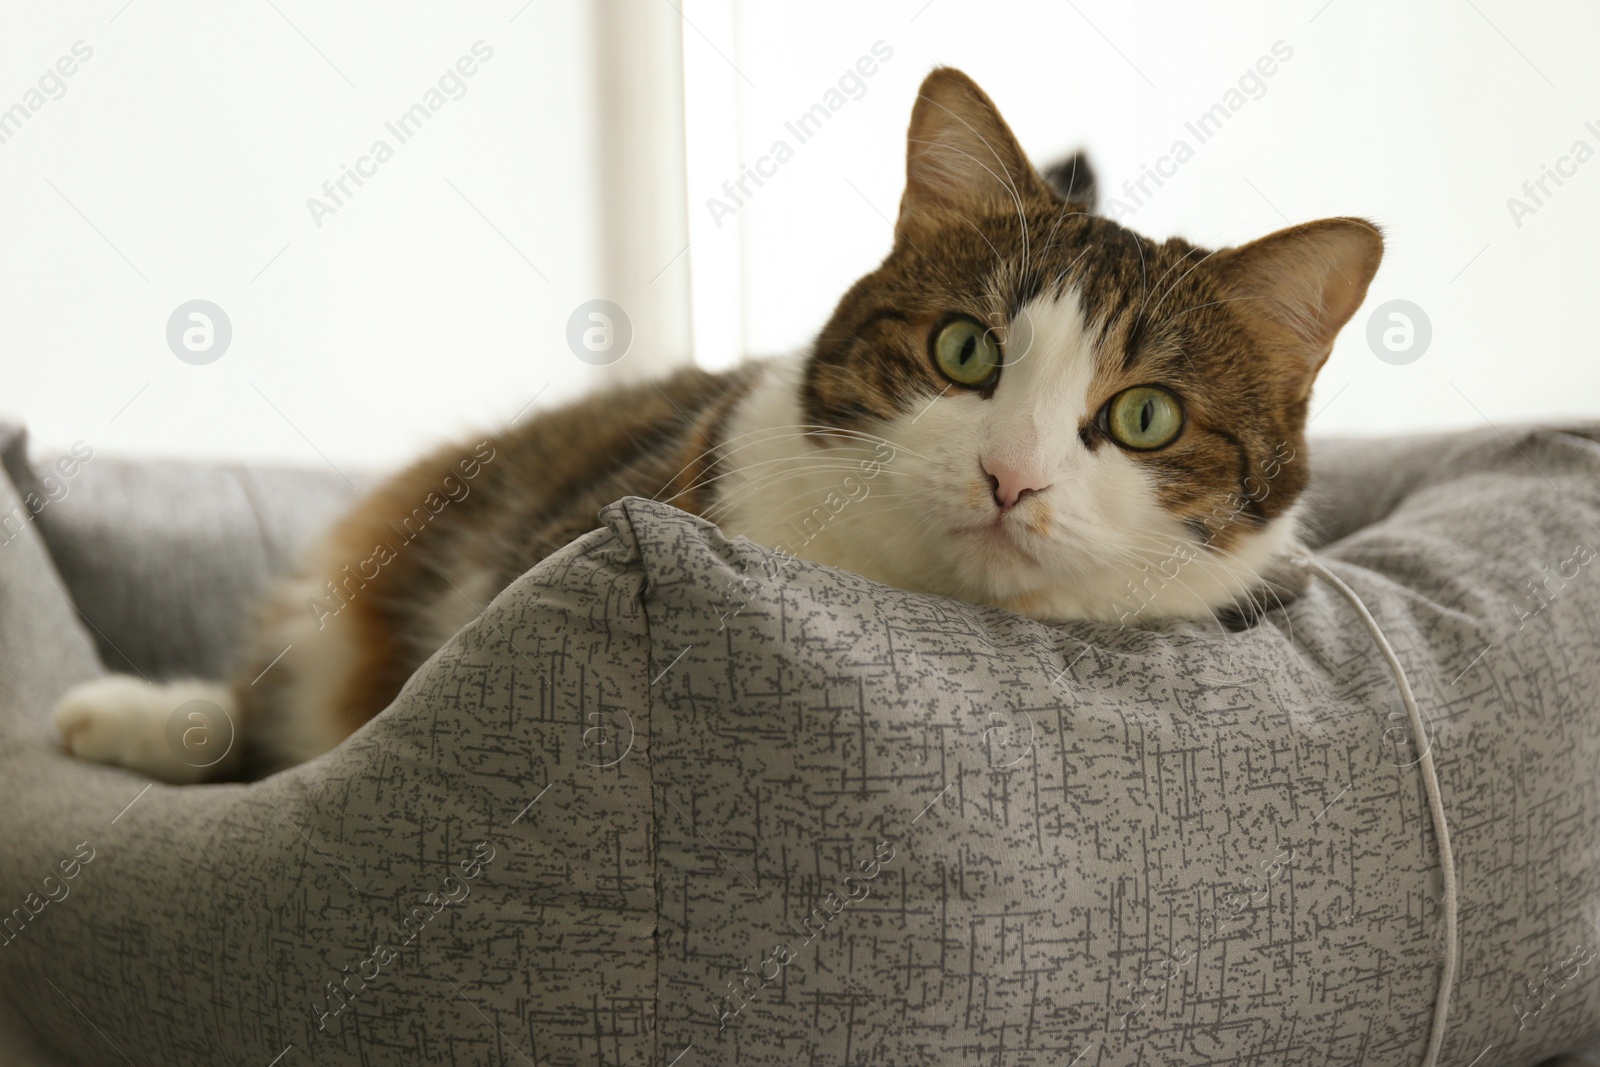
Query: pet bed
677, 800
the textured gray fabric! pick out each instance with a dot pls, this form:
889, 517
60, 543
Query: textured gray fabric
43, 649
44, 645
198, 542
672, 747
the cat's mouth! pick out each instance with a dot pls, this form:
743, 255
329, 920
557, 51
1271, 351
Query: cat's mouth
1004, 533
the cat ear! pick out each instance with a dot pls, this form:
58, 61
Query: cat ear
960, 155
1074, 180
1304, 283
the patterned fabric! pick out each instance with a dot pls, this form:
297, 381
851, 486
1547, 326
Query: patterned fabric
674, 799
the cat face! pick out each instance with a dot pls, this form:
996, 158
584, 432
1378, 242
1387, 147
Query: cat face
1085, 422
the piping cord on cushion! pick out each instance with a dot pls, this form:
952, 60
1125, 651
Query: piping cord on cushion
1430, 782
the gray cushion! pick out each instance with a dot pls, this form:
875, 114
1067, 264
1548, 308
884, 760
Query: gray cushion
193, 544
659, 752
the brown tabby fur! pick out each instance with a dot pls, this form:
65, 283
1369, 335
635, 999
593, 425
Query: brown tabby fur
543, 488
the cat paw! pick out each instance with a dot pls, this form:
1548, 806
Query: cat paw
127, 722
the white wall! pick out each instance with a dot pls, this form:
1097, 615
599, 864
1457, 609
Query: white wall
191, 141
179, 161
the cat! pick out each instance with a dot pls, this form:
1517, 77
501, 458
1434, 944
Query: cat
1025, 405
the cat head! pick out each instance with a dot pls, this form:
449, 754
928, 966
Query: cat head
1084, 422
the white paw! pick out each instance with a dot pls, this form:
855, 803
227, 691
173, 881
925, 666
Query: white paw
128, 722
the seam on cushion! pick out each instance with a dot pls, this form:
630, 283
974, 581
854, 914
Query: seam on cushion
655, 824
241, 477
1435, 794
619, 517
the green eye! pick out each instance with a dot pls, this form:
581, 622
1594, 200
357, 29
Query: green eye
1144, 417
966, 353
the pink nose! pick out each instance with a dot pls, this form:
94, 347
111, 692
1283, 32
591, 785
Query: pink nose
1011, 484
